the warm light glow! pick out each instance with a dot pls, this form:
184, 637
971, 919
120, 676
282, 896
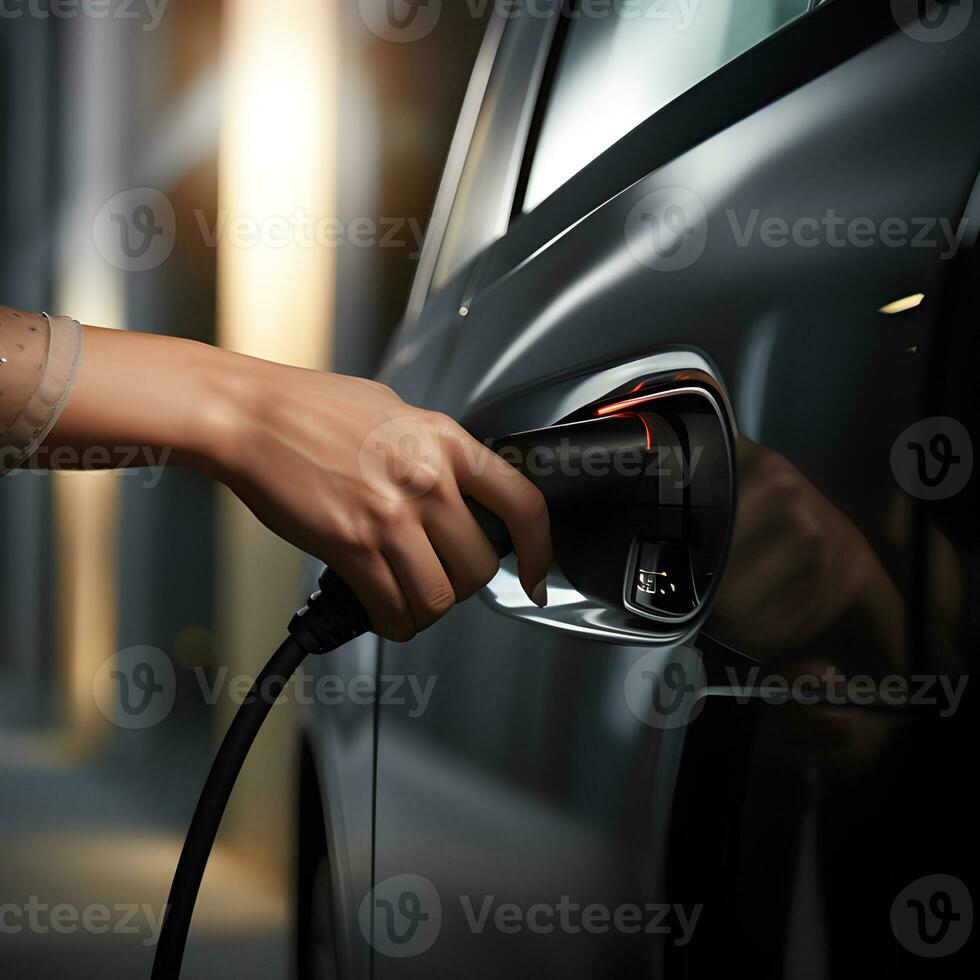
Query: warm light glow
86, 518
277, 175
903, 304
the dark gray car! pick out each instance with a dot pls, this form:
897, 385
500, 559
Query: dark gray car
767, 209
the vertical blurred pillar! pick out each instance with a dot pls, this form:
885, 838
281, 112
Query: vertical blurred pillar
25, 201
94, 87
275, 300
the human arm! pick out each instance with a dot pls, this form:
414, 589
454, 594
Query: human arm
340, 467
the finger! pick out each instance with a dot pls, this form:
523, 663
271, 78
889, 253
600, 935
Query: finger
420, 574
375, 584
492, 481
463, 549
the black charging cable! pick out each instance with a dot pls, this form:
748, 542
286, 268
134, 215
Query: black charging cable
332, 617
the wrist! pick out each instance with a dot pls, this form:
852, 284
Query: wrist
222, 413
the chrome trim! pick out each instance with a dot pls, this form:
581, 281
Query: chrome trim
595, 387
453, 170
570, 612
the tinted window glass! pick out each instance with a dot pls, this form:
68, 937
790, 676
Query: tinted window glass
622, 60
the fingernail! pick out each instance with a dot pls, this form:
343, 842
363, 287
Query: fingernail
540, 593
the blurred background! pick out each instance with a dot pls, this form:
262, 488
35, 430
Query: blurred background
249, 173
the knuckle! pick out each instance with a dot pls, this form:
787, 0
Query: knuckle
424, 478
357, 542
392, 607
438, 600
442, 423
388, 515
442, 488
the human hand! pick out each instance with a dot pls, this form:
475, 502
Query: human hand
347, 471
796, 563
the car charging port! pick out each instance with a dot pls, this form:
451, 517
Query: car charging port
640, 496
663, 581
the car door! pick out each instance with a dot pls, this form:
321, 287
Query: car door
786, 222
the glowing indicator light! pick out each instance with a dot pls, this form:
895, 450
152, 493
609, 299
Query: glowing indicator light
903, 304
620, 406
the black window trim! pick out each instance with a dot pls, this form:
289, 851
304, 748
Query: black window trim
546, 90
832, 32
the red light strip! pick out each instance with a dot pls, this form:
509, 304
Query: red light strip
620, 406
649, 432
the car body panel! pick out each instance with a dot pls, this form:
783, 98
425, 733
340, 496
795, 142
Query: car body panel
530, 777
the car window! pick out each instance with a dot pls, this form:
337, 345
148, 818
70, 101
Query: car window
485, 197
623, 60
